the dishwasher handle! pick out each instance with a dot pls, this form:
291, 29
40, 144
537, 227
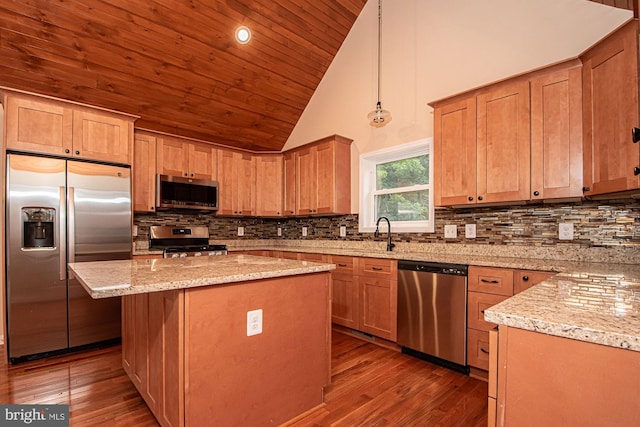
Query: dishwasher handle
433, 267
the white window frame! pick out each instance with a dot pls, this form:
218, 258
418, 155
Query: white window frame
368, 163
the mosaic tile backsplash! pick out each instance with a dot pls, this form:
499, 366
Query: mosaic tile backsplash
613, 223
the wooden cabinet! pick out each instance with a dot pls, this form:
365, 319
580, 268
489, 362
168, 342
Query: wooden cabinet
487, 287
454, 153
503, 143
144, 172
289, 160
610, 107
152, 351
48, 126
556, 134
237, 183
269, 185
323, 177
180, 157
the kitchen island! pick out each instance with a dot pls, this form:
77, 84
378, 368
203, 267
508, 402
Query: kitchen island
227, 340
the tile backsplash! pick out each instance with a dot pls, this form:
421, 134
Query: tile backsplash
611, 223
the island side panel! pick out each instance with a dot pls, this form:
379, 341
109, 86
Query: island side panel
265, 379
545, 380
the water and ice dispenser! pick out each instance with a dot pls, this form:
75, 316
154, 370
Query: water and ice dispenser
38, 228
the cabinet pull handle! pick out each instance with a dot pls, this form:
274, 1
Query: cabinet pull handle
584, 189
482, 311
342, 265
636, 171
635, 134
525, 278
376, 268
484, 351
489, 281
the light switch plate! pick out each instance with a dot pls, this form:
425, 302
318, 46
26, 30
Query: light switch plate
304, 231
450, 231
565, 231
240, 231
343, 231
254, 322
279, 231
470, 231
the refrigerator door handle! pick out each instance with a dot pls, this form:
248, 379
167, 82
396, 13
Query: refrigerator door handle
71, 229
62, 241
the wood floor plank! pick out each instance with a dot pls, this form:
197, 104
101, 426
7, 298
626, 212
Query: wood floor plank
371, 386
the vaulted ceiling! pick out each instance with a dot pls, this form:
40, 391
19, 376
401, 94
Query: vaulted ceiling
175, 63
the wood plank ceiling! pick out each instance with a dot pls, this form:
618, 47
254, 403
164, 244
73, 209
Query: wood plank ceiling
175, 63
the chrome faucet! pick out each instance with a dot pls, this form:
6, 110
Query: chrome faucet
390, 245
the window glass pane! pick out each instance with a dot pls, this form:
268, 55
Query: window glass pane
408, 206
403, 173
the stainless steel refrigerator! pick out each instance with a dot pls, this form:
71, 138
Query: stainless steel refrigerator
60, 211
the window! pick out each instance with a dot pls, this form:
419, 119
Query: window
396, 183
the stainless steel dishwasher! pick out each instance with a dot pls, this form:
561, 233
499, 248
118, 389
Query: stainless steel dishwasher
432, 312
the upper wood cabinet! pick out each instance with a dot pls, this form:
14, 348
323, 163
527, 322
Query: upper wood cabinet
269, 184
610, 107
289, 159
179, 157
323, 177
556, 134
47, 126
144, 172
237, 183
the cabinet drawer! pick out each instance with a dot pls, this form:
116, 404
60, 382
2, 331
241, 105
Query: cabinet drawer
313, 257
490, 280
524, 279
477, 304
378, 267
478, 349
289, 255
344, 264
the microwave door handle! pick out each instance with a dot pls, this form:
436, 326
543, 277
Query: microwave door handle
62, 241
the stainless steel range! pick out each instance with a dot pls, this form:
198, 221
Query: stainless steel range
180, 242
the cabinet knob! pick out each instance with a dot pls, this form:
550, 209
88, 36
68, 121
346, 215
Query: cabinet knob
152, 208
536, 193
525, 278
480, 197
636, 171
66, 151
77, 152
635, 135
586, 189
192, 174
186, 174
470, 198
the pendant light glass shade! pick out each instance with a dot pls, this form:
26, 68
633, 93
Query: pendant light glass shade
379, 117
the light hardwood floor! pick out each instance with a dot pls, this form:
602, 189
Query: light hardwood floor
371, 386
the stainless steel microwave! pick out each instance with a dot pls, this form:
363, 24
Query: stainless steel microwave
174, 192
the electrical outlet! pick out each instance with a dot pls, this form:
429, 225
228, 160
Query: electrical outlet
279, 231
304, 231
470, 231
240, 231
254, 322
565, 231
343, 231
450, 231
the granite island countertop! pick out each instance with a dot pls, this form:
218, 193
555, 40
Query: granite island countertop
102, 279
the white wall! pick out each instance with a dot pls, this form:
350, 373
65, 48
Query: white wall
432, 49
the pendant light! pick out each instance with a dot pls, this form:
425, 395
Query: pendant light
379, 117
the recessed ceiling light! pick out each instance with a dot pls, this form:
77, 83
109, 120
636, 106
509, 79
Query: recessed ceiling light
243, 34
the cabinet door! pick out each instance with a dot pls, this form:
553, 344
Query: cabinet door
504, 143
172, 157
202, 161
325, 186
290, 183
379, 307
478, 349
556, 135
128, 333
610, 107
144, 173
227, 182
477, 304
38, 126
454, 153
524, 279
307, 181
140, 366
102, 137
345, 300
269, 185
246, 184
236, 179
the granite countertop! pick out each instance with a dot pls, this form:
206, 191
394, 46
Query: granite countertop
595, 297
102, 279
